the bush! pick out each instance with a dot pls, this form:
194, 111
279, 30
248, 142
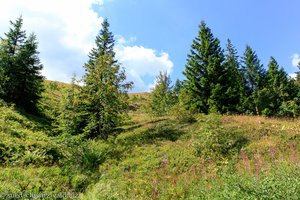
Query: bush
216, 139
83, 155
182, 115
290, 108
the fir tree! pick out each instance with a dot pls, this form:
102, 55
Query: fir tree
3, 76
29, 75
204, 73
10, 48
278, 90
21, 67
105, 96
234, 84
162, 97
104, 45
71, 119
253, 79
177, 87
104, 91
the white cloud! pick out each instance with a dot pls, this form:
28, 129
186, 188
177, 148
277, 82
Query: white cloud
142, 63
293, 75
295, 59
65, 31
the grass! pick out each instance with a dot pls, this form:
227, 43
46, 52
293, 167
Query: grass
169, 157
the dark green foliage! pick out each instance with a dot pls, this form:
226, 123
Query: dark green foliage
253, 78
205, 73
20, 68
162, 97
234, 88
220, 84
277, 91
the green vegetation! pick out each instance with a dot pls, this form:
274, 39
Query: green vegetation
218, 83
21, 80
162, 98
94, 141
214, 157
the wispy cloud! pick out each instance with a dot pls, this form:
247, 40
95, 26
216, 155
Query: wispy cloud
295, 59
293, 75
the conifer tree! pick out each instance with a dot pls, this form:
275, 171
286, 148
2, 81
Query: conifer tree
253, 79
204, 73
278, 90
21, 67
105, 90
104, 45
3, 76
177, 87
71, 119
29, 75
234, 84
10, 48
162, 97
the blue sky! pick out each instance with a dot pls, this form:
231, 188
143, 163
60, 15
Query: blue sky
269, 27
156, 35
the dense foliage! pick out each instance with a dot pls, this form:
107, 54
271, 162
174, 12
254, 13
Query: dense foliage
221, 83
204, 87
163, 96
20, 68
96, 108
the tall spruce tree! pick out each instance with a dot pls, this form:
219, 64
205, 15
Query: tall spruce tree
10, 48
29, 74
21, 67
253, 79
275, 90
205, 73
104, 91
234, 89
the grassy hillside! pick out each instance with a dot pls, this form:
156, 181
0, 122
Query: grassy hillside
210, 157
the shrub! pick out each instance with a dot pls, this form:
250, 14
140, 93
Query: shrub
290, 108
182, 115
215, 138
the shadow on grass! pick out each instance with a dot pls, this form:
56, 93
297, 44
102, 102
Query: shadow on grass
132, 128
151, 136
42, 121
124, 144
161, 133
